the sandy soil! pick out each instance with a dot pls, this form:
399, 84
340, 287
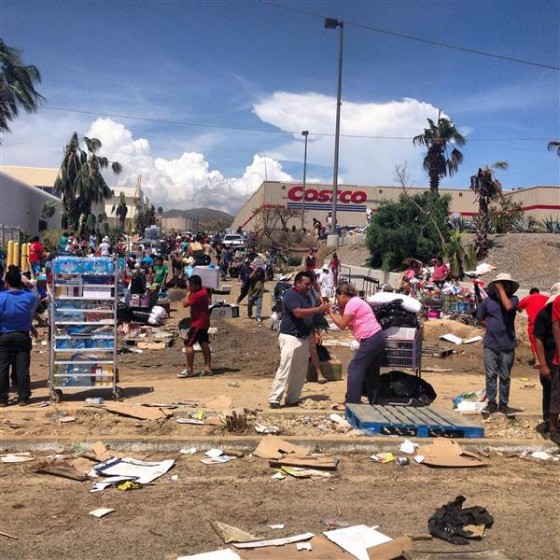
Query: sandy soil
49, 515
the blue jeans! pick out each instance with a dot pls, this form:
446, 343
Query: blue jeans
498, 363
363, 370
255, 300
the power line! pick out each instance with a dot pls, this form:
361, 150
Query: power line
271, 131
419, 39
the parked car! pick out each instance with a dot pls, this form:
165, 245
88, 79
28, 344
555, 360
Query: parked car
233, 240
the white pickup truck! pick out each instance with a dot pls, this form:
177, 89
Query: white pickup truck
233, 240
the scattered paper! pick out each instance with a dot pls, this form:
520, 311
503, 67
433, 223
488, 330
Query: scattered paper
142, 472
304, 546
456, 340
193, 421
383, 457
222, 554
277, 526
357, 539
278, 476
213, 453
217, 460
408, 447
189, 451
275, 542
139, 412
543, 455
66, 419
262, 429
302, 472
17, 457
108, 482
101, 512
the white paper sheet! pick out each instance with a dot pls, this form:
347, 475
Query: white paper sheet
357, 539
275, 542
142, 472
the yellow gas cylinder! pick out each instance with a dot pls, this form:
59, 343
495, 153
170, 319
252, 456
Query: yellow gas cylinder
16, 254
24, 257
10, 258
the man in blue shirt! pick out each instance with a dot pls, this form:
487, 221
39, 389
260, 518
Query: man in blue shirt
16, 311
497, 314
296, 327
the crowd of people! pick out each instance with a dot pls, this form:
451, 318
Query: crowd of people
315, 294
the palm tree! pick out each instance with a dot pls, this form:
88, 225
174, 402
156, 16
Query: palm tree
80, 183
439, 138
121, 210
17, 86
487, 189
554, 145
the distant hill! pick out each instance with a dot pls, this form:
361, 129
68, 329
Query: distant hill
206, 218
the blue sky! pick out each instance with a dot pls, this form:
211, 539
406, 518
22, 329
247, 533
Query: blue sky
218, 92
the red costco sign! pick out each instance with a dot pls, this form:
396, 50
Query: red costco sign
313, 195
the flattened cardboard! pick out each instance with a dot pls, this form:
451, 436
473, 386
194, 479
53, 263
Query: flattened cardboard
230, 534
141, 412
314, 462
322, 549
101, 451
273, 447
448, 453
391, 550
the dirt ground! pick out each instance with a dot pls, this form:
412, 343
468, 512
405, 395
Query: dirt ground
170, 518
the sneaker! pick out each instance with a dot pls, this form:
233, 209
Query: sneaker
23, 402
555, 437
205, 373
490, 408
507, 410
274, 404
259, 320
295, 403
186, 373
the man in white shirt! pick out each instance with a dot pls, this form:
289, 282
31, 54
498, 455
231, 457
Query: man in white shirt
326, 282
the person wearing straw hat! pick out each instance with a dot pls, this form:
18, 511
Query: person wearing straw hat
497, 314
545, 348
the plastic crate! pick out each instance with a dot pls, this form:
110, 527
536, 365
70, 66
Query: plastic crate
403, 348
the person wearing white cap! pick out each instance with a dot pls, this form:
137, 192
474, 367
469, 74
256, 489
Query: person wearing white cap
497, 314
549, 372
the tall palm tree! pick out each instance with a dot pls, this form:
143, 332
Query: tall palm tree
554, 145
487, 188
17, 86
442, 157
80, 183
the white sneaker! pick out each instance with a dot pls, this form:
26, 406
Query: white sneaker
205, 373
186, 373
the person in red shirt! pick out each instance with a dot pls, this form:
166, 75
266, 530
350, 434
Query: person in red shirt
198, 300
36, 254
532, 304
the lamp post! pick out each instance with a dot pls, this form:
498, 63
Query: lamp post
305, 134
331, 23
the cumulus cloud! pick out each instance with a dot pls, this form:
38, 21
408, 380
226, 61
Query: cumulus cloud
184, 182
382, 134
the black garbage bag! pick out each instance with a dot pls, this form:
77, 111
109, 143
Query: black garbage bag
279, 290
398, 387
448, 521
393, 314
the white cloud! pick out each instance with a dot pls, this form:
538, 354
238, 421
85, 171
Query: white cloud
184, 182
366, 161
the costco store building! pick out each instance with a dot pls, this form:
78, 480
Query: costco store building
353, 201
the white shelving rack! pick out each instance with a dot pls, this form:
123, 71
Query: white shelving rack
83, 319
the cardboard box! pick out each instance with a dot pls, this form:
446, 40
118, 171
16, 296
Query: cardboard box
231, 312
331, 369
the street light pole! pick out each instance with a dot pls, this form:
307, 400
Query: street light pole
331, 23
305, 134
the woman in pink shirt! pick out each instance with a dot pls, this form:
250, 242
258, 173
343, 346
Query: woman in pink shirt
363, 369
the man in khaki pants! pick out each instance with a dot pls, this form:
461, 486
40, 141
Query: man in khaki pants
296, 327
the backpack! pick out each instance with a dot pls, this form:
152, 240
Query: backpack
400, 388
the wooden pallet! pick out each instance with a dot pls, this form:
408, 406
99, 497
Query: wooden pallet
410, 421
